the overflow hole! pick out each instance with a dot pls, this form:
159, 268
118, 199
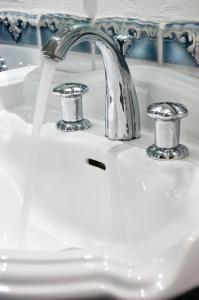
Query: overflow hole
96, 163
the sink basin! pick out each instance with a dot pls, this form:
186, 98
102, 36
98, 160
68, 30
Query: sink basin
105, 220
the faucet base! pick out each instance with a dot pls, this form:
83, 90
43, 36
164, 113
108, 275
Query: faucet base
73, 126
158, 153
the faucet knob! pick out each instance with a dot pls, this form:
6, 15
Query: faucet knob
71, 101
167, 117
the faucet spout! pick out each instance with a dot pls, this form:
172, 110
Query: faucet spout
122, 120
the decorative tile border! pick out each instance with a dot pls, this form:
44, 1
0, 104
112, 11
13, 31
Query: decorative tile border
15, 27
187, 34
136, 34
180, 41
55, 22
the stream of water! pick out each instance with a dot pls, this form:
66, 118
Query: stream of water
39, 112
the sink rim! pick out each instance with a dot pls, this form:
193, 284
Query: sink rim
111, 276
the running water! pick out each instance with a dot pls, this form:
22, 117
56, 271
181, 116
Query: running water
39, 112
42, 96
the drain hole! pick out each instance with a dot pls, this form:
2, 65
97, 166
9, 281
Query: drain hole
96, 163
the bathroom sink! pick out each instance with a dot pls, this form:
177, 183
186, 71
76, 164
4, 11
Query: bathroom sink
104, 220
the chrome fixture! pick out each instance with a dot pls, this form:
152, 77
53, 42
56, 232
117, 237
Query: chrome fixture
122, 120
3, 66
71, 101
167, 117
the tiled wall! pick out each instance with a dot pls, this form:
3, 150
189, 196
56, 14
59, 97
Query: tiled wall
174, 43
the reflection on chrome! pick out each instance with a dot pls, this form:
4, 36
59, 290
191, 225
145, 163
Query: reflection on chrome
4, 288
3, 267
142, 293
122, 120
159, 285
3, 257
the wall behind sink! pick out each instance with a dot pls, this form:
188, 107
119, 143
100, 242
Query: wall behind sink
151, 10
164, 31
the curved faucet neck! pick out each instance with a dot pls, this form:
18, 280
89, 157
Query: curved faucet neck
122, 120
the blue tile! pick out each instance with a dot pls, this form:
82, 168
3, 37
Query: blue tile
27, 36
175, 50
46, 34
144, 48
179, 40
143, 35
176, 53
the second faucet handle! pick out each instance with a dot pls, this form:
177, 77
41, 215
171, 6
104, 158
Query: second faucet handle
71, 101
167, 117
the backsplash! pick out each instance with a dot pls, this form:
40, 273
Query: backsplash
173, 42
18, 28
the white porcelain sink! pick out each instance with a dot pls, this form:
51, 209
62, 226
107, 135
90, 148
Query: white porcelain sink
106, 220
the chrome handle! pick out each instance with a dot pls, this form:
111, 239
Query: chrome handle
167, 117
71, 101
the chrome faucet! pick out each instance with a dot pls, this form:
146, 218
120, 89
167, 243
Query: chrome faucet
122, 120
